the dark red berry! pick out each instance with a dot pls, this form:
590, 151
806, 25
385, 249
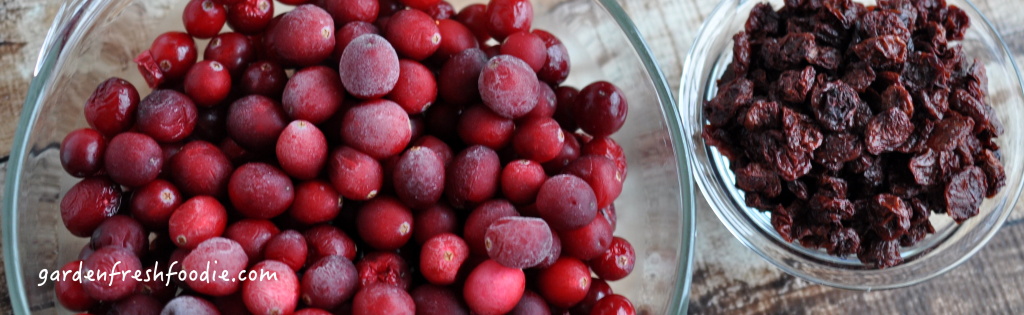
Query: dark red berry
539, 139
271, 296
564, 111
521, 180
349, 32
221, 256
255, 122
480, 125
325, 240
203, 18
265, 78
472, 176
384, 223
413, 33
81, 152
598, 290
615, 263
587, 242
302, 150
288, 247
196, 220
416, 89
518, 242
167, 116
369, 67
233, 50
493, 289
455, 38
441, 257
200, 168
111, 107
186, 304
508, 86
481, 218
386, 268
88, 203
419, 177
379, 128
556, 68
570, 152
437, 300
546, 102
613, 305
250, 16
313, 94
528, 47
565, 283
304, 36
531, 304
153, 203
505, 17
174, 53
121, 231
112, 262
601, 174
458, 80
316, 201
329, 282
474, 17
439, 118
600, 109
71, 294
249, 186
354, 174
208, 82
252, 235
433, 221
383, 299
133, 159
443, 151
566, 202
345, 11
607, 147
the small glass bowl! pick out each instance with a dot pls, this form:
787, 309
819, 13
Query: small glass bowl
951, 244
92, 40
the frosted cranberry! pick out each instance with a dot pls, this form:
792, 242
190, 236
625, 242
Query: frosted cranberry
189, 305
107, 265
133, 159
81, 152
203, 18
250, 16
419, 177
601, 174
325, 240
474, 17
434, 220
481, 218
174, 53
615, 263
472, 176
271, 296
416, 88
302, 150
598, 290
248, 189
379, 128
539, 139
556, 68
521, 180
198, 219
458, 80
120, 231
329, 282
137, 304
345, 11
565, 283
208, 82
505, 17
528, 47
531, 304
288, 247
437, 300
354, 174
265, 78
613, 305
413, 33
313, 94
384, 223
348, 32
439, 118
587, 242
383, 299
386, 268
304, 36
252, 235
220, 256
480, 125
508, 86
518, 242
566, 202
554, 253
255, 122
111, 107
564, 111
200, 168
316, 201
493, 289
70, 293
441, 257
570, 152
546, 102
443, 151
455, 38
233, 50
601, 109
606, 147
167, 116
369, 67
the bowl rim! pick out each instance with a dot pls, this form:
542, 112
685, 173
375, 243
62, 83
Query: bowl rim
66, 30
691, 61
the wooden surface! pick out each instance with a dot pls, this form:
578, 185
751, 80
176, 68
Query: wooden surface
727, 278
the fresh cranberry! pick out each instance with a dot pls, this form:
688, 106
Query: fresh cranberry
190, 305
432, 221
252, 235
70, 292
379, 128
589, 241
200, 168
458, 79
443, 151
508, 86
441, 10
531, 304
493, 289
528, 47
304, 36
302, 150
566, 202
153, 203
384, 268
455, 38
345, 11
133, 159
167, 116
546, 102
120, 231
505, 17
174, 53
473, 176
416, 88
601, 109
556, 69
203, 18
419, 177
233, 50
316, 201
329, 282
437, 300
288, 247
570, 152
539, 139
598, 290
480, 125
348, 32
111, 107
198, 219
474, 17
137, 304
81, 152
521, 180
325, 240
107, 266
265, 78
607, 147
413, 33
313, 94
250, 16
518, 242
369, 67
601, 174
481, 218
441, 258
564, 110
384, 223
615, 263
278, 295
354, 174
208, 82
383, 299
565, 283
249, 187
255, 122
613, 305
224, 258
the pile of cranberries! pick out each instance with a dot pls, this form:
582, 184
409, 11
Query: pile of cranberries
379, 157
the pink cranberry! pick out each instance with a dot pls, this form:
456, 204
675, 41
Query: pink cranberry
493, 289
369, 67
271, 296
304, 36
419, 177
508, 86
566, 202
518, 242
198, 219
302, 150
313, 94
565, 283
329, 282
224, 258
441, 257
379, 128
288, 247
481, 218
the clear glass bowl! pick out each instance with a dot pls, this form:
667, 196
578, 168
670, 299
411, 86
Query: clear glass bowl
93, 40
951, 244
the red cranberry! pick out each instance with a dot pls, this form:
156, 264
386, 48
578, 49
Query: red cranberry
441, 10
455, 38
200, 168
601, 174
313, 94
384, 223
111, 107
419, 177
413, 33
521, 180
81, 152
546, 102
248, 189
518, 242
224, 258
443, 151
493, 289
198, 219
589, 241
554, 253
437, 300
255, 122
598, 290
288, 247
505, 17
531, 304
208, 82
600, 109
264, 78
508, 86
133, 159
302, 150
416, 88
345, 11
613, 305
190, 305
383, 299
556, 69
233, 50
252, 235
528, 47
203, 18
565, 283
458, 79
311, 311
174, 53
153, 204
250, 16
539, 139
304, 36
107, 265
480, 125
88, 203
316, 201
70, 293
325, 240
566, 102
354, 174
384, 268
379, 128
167, 116
432, 221
369, 67
329, 282
607, 147
271, 296
481, 218
570, 152
473, 176
349, 32
615, 263
120, 231
566, 202
441, 258
474, 17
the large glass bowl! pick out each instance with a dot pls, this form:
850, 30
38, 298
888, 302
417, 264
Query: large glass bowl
951, 244
93, 40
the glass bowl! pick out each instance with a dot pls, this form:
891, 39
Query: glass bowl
951, 244
92, 40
